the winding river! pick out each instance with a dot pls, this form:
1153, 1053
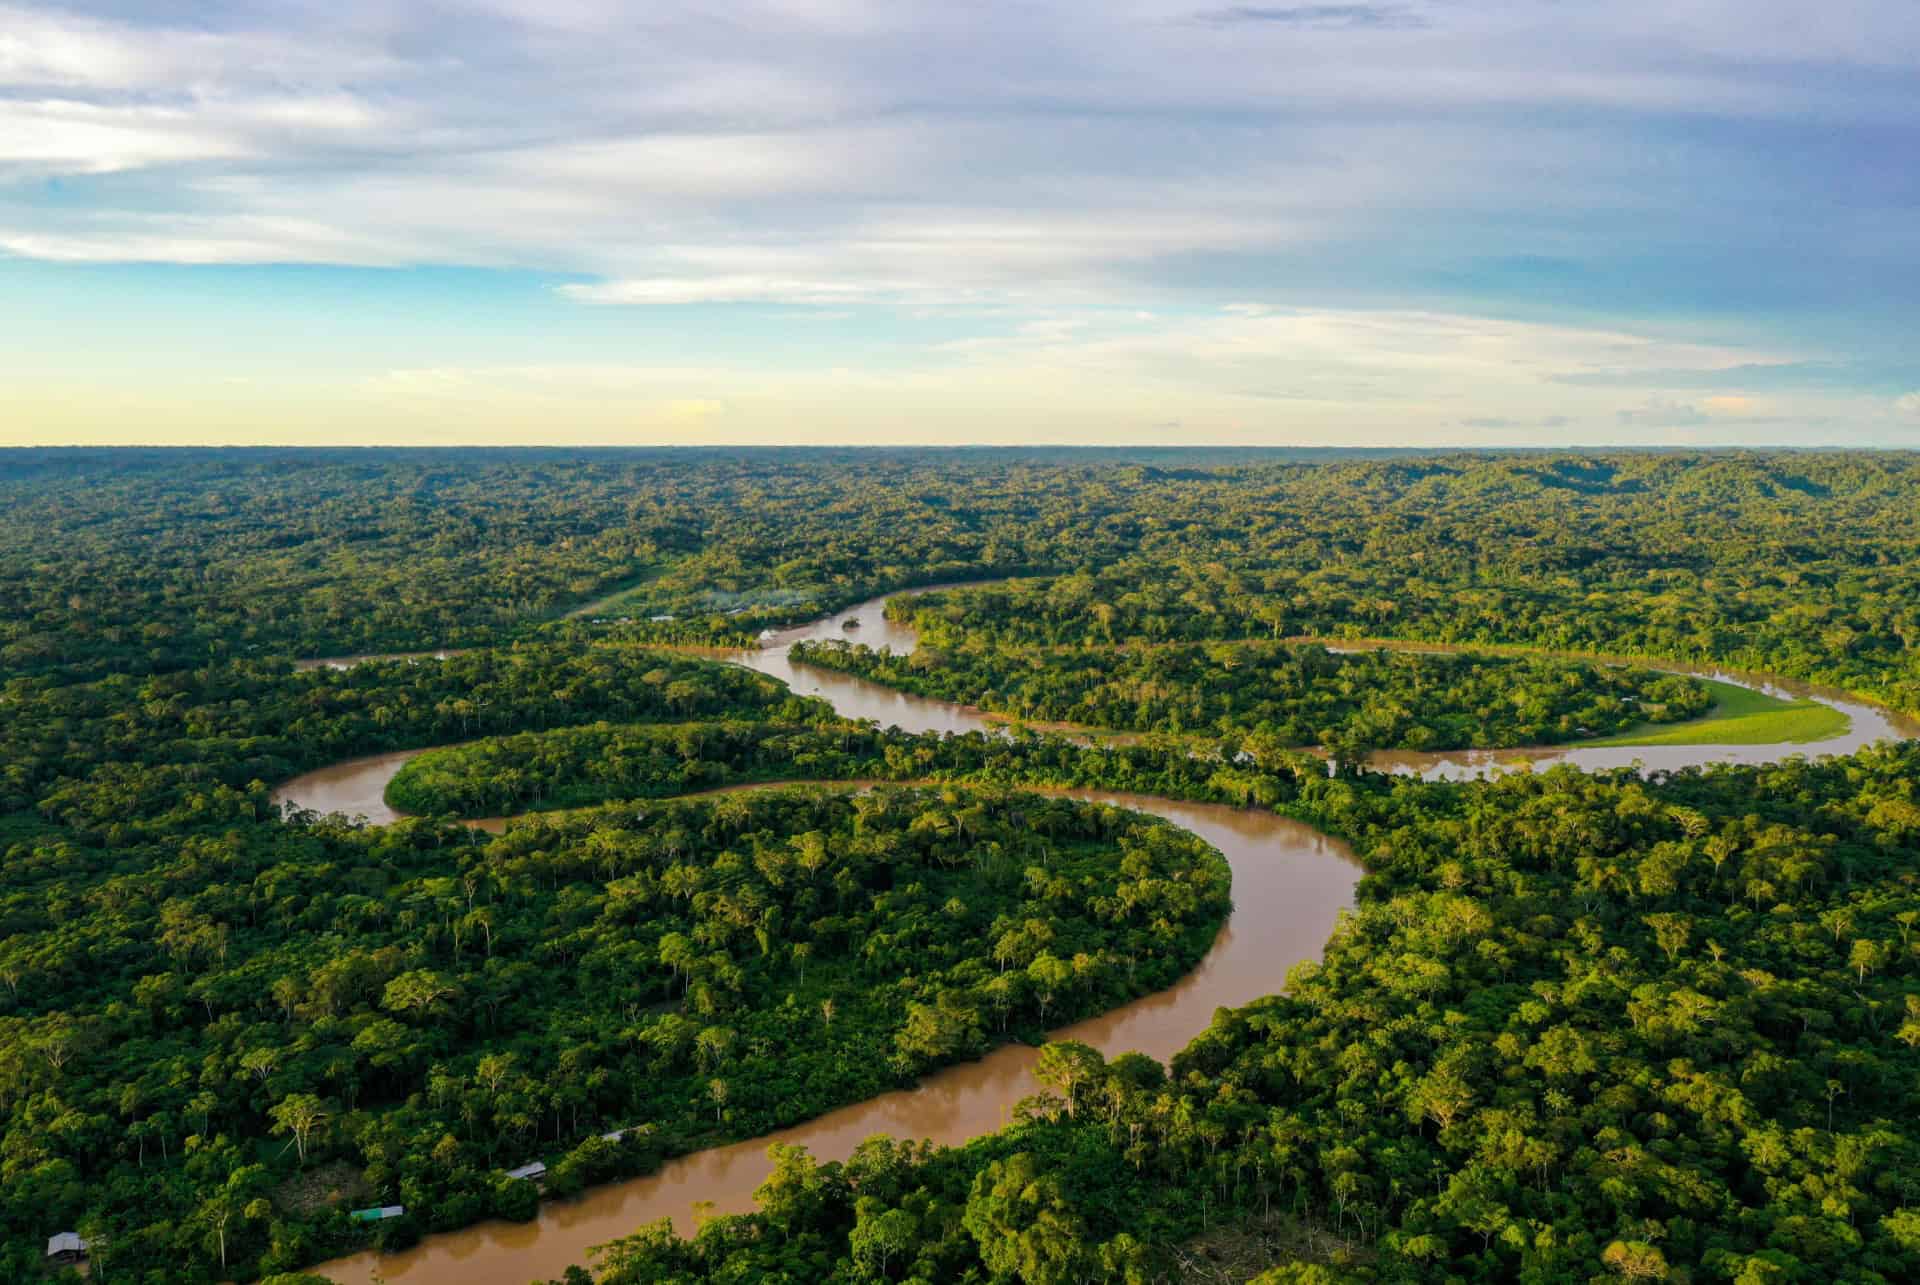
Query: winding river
1290, 883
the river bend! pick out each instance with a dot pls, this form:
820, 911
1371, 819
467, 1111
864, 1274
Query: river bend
1290, 882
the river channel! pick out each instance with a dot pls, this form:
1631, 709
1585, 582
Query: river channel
1290, 883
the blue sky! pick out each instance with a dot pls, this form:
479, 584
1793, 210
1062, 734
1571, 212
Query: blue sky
1135, 221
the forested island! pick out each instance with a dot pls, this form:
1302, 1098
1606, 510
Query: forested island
1291, 694
1578, 1026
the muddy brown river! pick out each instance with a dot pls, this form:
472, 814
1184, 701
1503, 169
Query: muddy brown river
1290, 882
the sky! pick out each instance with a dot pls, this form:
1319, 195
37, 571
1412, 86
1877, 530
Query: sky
1419, 222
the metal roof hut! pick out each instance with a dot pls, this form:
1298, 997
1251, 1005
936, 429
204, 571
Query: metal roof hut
535, 1172
66, 1247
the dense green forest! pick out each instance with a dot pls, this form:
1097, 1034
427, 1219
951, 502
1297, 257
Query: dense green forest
1577, 1021
1798, 563
580, 766
120, 756
1580, 1026
1293, 694
407, 1012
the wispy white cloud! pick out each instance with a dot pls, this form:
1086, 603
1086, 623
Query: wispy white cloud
51, 47
721, 289
1337, 17
56, 137
1104, 136
927, 258
64, 136
1287, 375
1417, 171
1345, 370
204, 241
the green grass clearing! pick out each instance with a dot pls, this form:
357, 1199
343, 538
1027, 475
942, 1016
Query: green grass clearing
619, 599
1742, 716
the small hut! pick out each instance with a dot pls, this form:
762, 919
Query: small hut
535, 1173
377, 1215
66, 1248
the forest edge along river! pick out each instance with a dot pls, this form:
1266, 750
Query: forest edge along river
1290, 883
1289, 879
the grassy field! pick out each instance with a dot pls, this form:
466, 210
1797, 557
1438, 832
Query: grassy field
1741, 716
611, 604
